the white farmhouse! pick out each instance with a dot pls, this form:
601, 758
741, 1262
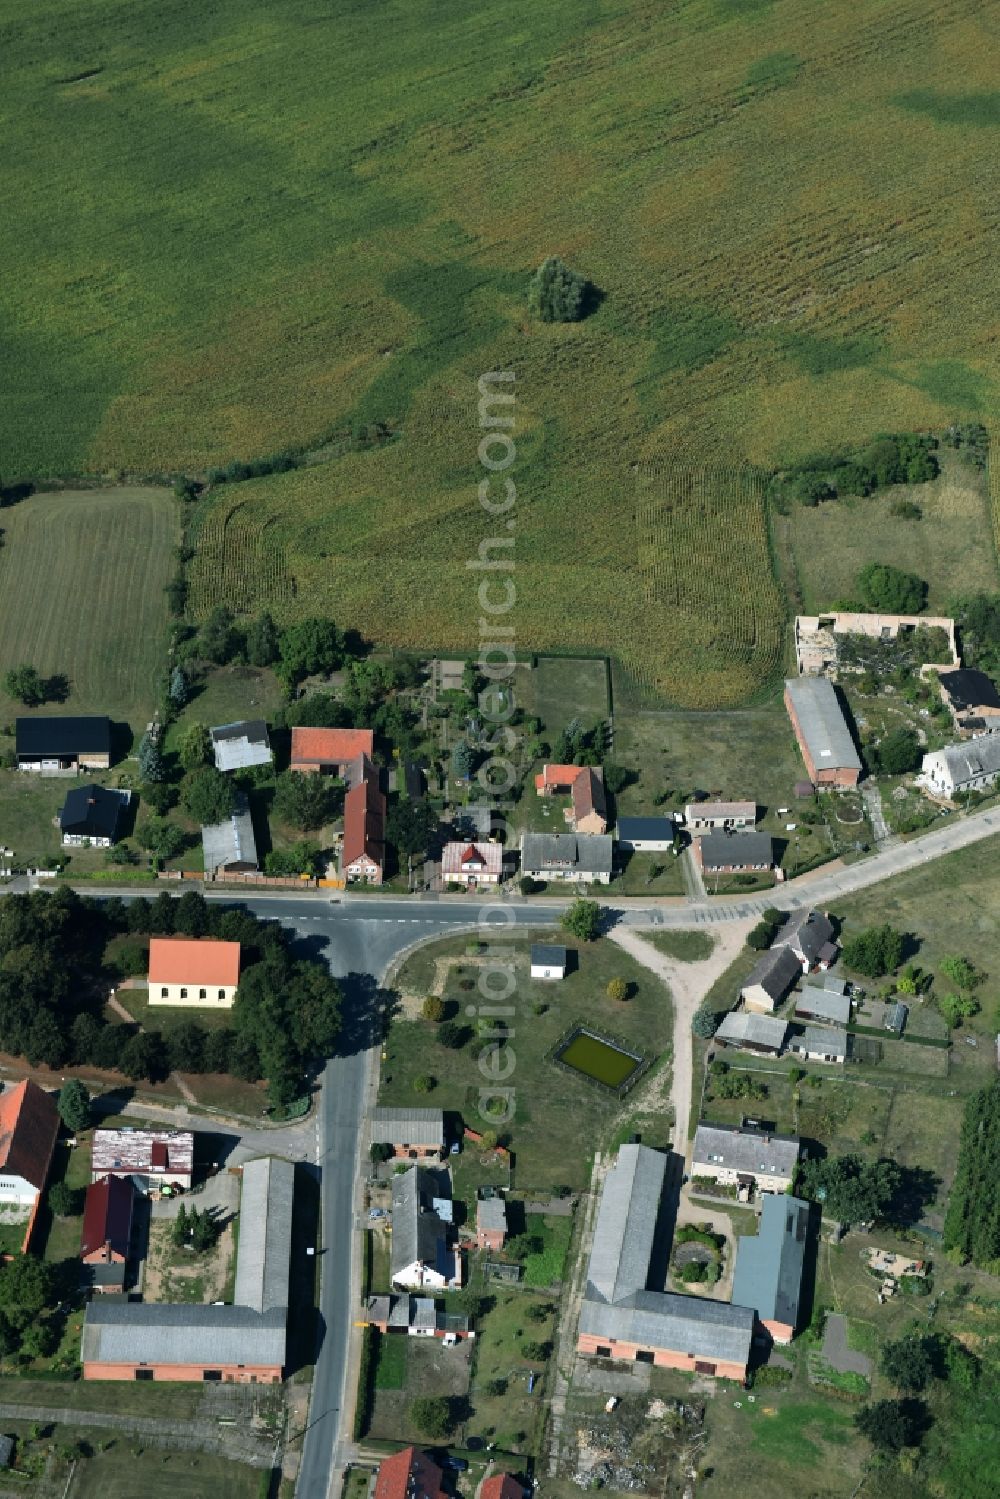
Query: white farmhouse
972, 766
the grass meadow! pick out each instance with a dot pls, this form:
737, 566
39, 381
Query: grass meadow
259, 225
82, 576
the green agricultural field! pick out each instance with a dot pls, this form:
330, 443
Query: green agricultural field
82, 576
257, 226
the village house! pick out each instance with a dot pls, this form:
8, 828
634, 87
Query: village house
29, 1127
724, 852
409, 1474
230, 847
422, 1256
155, 1159
413, 1134
491, 1222
500, 1486
746, 1031
362, 855
820, 1043
711, 815
744, 1157
972, 699
971, 766
825, 741
417, 1317
827, 1002
621, 1318
62, 742
472, 864
239, 746
810, 936
196, 971
646, 835
107, 1232
93, 816
548, 961
239, 1344
329, 751
581, 858
769, 980
585, 786
769, 1265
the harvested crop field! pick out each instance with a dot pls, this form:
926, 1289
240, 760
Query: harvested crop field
251, 227
82, 575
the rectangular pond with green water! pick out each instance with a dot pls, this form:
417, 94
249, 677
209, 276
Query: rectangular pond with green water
597, 1059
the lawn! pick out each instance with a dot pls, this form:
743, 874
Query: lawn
124, 1471
511, 1417
828, 545
390, 1370
560, 1118
82, 577
687, 947
562, 688
766, 269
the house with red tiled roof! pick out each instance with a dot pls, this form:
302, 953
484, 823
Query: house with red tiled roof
585, 786
29, 1125
329, 751
193, 971
472, 864
500, 1486
409, 1474
362, 856
107, 1230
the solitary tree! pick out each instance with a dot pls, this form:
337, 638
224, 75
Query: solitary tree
889, 588
617, 990
25, 685
556, 294
907, 1363
704, 1023
194, 747
583, 919
151, 766
890, 1425
433, 1008
73, 1104
209, 796
432, 1415
179, 692
875, 951
305, 801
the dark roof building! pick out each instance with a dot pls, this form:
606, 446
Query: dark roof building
970, 691
722, 850
770, 978
107, 1219
656, 833
768, 1273
809, 935
63, 737
93, 813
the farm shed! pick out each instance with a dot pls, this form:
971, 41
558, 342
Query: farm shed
238, 746
230, 846
825, 741
646, 835
62, 742
748, 1031
769, 1265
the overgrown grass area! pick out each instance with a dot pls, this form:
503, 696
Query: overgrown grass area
129, 1469
765, 275
559, 1118
82, 575
547, 1266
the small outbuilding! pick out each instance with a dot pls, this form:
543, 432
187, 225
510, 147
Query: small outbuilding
239, 746
820, 1043
548, 961
750, 1032
491, 1222
646, 835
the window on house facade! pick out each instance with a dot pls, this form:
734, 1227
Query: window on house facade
202, 993
164, 992
222, 993
184, 994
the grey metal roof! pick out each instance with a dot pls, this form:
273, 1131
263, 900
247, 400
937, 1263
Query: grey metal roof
626, 1223
230, 844
806, 932
768, 1273
742, 1027
636, 829
491, 1212
749, 848
705, 1329
417, 1232
126, 1332
823, 1004
822, 723
584, 852
745, 1150
775, 971
392, 1126
825, 1039
240, 745
974, 758
545, 956
265, 1247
